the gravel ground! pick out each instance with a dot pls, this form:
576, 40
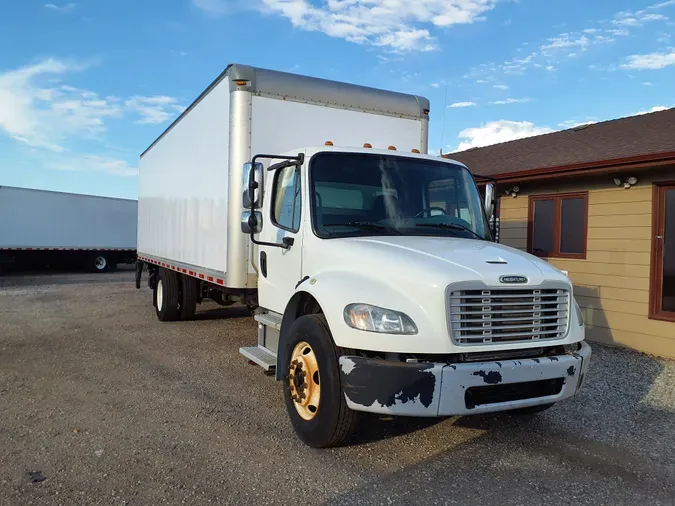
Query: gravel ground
102, 404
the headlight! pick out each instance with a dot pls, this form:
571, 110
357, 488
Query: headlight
376, 319
580, 315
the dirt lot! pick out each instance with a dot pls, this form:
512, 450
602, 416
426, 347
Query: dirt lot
102, 404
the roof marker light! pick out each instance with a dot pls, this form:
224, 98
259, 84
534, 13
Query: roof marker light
392, 148
367, 145
415, 150
329, 143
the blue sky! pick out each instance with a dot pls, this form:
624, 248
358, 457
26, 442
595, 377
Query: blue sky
86, 86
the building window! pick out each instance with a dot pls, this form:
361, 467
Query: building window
286, 204
557, 225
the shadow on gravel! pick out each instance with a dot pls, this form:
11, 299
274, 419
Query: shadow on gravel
222, 313
63, 277
614, 444
372, 428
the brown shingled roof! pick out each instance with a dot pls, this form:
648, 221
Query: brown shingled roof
646, 136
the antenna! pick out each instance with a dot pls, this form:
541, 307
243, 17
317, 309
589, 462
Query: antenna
445, 112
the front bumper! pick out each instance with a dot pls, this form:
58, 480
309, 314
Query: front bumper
439, 389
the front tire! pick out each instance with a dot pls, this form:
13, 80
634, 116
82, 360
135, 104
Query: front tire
166, 294
313, 393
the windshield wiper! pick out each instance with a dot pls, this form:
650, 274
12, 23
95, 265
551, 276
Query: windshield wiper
452, 226
369, 225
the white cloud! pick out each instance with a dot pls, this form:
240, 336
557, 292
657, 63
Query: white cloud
637, 18
40, 114
657, 108
618, 32
90, 163
39, 110
570, 40
571, 123
592, 30
511, 101
463, 104
153, 110
662, 4
61, 8
652, 61
396, 25
500, 87
221, 7
648, 84
495, 132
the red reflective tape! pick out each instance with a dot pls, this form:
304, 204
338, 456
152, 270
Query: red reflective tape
201, 276
184, 271
192, 273
210, 278
220, 281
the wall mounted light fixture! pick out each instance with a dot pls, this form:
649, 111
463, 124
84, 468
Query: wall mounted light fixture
627, 182
513, 191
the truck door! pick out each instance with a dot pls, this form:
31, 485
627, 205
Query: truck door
280, 269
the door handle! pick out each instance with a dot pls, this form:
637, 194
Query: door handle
659, 237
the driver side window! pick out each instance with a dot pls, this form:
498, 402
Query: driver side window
443, 194
287, 202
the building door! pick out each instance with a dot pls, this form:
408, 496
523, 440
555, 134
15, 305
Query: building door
663, 254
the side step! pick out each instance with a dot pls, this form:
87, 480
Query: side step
265, 354
261, 356
272, 320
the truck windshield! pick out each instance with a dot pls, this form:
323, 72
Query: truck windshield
365, 195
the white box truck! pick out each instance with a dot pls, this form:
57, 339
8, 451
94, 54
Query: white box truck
40, 227
369, 266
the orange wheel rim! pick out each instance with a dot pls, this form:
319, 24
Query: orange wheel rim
304, 381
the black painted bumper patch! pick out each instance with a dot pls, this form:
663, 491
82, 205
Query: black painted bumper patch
384, 382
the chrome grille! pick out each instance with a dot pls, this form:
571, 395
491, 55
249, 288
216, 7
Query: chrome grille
508, 315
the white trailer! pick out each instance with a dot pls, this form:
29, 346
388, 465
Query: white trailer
42, 227
370, 266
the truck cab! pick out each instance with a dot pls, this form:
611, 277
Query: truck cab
380, 289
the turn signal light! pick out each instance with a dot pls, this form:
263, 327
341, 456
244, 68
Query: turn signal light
241, 82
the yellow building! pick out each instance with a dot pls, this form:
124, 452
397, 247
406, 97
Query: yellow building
597, 201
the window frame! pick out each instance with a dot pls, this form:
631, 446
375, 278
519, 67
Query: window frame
656, 267
275, 183
311, 189
557, 224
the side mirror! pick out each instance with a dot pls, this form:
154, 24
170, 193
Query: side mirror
251, 222
490, 201
253, 185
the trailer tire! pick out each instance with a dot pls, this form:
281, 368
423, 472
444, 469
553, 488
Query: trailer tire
100, 262
166, 294
188, 297
330, 423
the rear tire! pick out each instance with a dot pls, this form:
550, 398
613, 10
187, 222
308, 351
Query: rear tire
330, 423
188, 297
100, 263
166, 295
532, 410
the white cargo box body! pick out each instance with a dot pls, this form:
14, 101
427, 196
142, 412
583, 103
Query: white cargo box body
39, 219
191, 177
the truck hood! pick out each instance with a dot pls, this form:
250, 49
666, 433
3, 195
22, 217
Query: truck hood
442, 259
